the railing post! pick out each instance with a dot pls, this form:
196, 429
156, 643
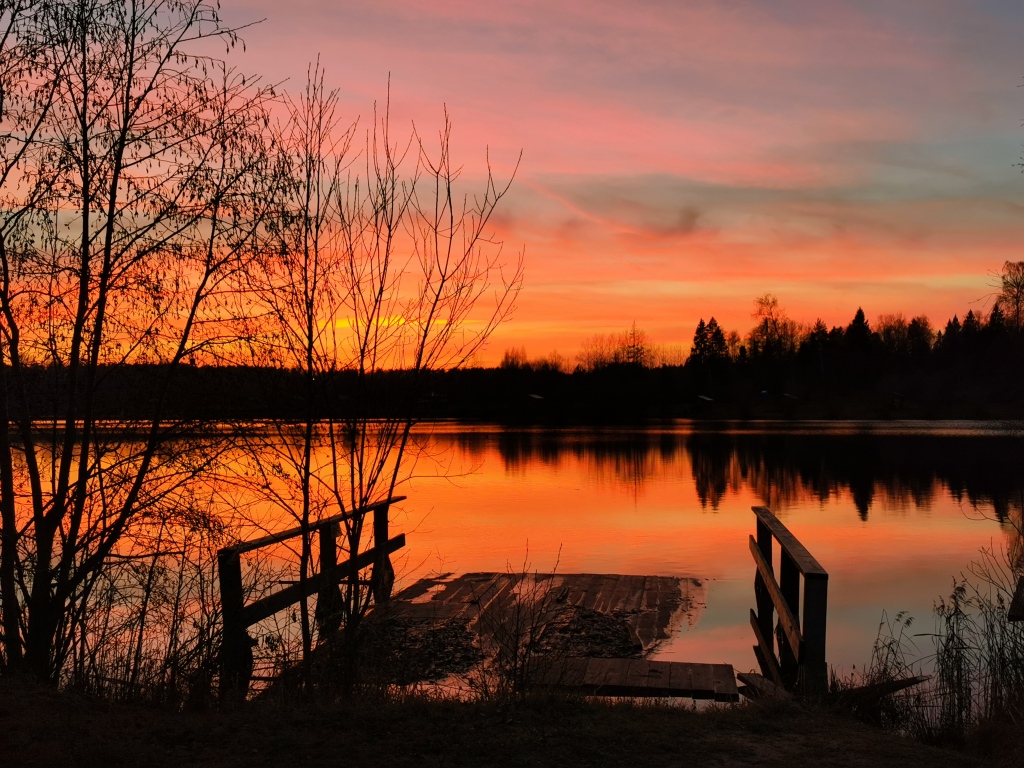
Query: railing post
812, 659
765, 607
328, 602
382, 578
236, 645
800, 588
789, 585
236, 657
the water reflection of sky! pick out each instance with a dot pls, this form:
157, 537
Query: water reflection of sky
893, 511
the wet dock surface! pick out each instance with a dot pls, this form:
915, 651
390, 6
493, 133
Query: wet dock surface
651, 608
591, 632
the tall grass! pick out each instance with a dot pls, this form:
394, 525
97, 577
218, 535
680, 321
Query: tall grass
977, 664
511, 628
150, 629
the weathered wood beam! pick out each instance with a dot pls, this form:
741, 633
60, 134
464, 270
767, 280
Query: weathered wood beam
878, 690
803, 560
790, 627
760, 687
640, 678
765, 652
276, 538
813, 631
281, 599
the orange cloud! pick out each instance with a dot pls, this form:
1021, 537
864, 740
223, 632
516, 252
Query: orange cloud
680, 159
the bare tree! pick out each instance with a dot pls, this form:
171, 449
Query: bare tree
894, 332
596, 352
633, 347
775, 335
132, 165
25, 102
375, 278
1011, 293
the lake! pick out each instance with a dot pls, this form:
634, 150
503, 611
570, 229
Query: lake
894, 511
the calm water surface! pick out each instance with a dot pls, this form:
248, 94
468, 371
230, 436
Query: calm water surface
893, 511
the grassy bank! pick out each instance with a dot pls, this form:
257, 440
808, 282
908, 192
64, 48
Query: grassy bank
39, 727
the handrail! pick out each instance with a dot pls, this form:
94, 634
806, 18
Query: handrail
276, 538
278, 601
801, 658
236, 661
788, 622
802, 559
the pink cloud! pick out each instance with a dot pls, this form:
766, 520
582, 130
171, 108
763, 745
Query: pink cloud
681, 158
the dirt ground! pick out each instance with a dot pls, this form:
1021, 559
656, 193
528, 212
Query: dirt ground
39, 727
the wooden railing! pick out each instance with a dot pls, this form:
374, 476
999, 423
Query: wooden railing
236, 661
800, 663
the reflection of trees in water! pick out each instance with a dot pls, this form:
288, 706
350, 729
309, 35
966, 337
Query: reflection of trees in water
903, 471
784, 470
715, 468
629, 458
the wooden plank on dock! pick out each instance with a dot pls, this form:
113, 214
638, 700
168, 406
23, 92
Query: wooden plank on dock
628, 595
637, 678
469, 588
652, 676
645, 627
603, 597
603, 673
420, 588
681, 677
569, 672
724, 682
651, 608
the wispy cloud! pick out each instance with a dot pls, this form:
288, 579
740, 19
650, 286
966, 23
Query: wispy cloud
681, 157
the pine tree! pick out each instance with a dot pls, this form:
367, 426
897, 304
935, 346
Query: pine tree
920, 337
701, 343
718, 349
858, 333
971, 324
996, 320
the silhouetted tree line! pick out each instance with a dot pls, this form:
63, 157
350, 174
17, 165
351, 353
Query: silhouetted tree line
897, 368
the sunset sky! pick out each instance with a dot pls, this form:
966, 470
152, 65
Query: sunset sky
681, 158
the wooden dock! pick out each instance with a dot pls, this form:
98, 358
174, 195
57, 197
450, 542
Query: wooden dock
651, 608
593, 630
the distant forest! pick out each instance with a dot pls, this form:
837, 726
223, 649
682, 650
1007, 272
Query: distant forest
895, 368
971, 368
